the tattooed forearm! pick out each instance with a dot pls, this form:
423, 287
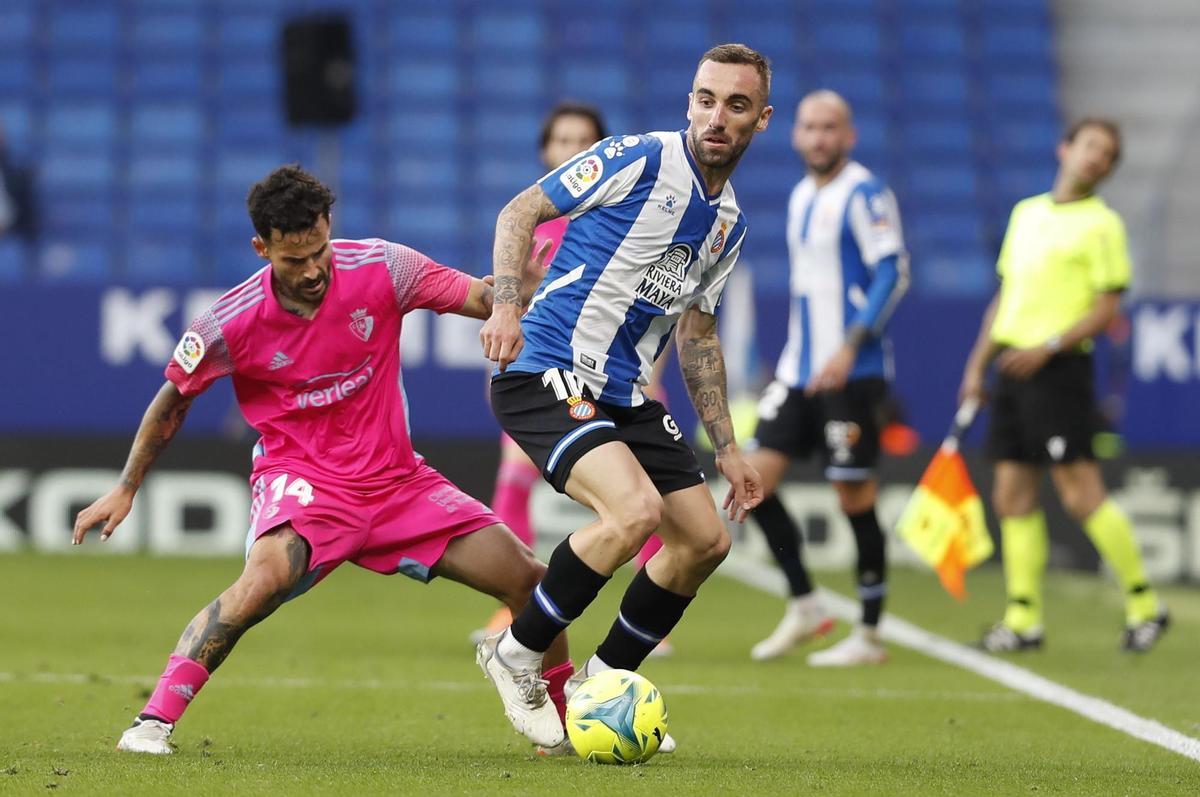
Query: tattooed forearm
703, 368
514, 240
162, 420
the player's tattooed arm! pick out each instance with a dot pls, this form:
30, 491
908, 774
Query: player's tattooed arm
703, 367
514, 239
162, 420
212, 633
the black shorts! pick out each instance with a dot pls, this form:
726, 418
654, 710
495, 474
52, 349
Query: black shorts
1049, 418
556, 419
843, 424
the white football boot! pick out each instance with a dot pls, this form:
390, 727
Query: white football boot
147, 736
861, 647
803, 620
667, 745
523, 694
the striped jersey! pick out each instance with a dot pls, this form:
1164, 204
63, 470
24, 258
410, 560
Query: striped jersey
848, 267
325, 393
645, 242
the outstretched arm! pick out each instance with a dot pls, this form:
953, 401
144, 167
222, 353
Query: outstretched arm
501, 335
162, 420
703, 367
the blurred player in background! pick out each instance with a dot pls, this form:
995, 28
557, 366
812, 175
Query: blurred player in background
848, 271
655, 230
568, 130
334, 475
1063, 267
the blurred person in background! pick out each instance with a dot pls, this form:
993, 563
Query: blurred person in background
334, 476
569, 129
1063, 267
16, 196
849, 270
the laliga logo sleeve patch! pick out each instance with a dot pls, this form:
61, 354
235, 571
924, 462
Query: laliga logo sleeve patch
582, 175
190, 351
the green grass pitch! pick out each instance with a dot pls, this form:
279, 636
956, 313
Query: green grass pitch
367, 685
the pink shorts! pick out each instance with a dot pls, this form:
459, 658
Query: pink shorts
403, 528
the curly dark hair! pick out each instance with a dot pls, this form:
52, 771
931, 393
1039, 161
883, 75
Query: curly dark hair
288, 199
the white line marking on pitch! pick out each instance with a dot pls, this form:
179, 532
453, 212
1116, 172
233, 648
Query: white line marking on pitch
1022, 680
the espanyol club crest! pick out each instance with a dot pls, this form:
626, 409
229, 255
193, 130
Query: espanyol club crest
580, 409
362, 324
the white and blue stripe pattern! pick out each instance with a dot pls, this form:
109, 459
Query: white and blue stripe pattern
645, 242
848, 267
563, 444
549, 608
639, 633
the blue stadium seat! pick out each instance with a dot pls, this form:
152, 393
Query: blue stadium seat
16, 26
66, 169
934, 87
412, 80
86, 261
240, 30
16, 74
507, 127
90, 77
76, 212
851, 41
862, 89
948, 182
159, 172
167, 76
254, 74
603, 82
432, 31
769, 32
418, 172
430, 217
170, 126
15, 263
417, 129
177, 31
16, 122
673, 35
521, 80
932, 41
235, 260
90, 28
162, 261
260, 125
1022, 44
1021, 91
237, 170
515, 30
938, 135
174, 213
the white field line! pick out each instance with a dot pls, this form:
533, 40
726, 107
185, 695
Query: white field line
367, 684
904, 633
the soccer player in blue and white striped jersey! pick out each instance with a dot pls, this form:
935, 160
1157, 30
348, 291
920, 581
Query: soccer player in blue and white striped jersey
848, 271
655, 231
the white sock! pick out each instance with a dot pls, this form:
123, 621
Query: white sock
516, 655
595, 664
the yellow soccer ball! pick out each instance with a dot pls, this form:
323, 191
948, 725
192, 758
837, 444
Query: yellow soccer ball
616, 717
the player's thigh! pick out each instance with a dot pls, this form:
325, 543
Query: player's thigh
491, 560
851, 426
788, 422
610, 480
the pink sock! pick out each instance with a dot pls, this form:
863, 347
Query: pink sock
648, 550
557, 678
177, 686
514, 482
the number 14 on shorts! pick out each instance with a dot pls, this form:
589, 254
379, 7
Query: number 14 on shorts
301, 490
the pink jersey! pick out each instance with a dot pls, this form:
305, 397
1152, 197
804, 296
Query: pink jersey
552, 231
325, 393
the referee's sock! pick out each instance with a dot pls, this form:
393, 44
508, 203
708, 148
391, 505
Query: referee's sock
564, 592
1025, 547
872, 565
783, 538
1112, 534
648, 613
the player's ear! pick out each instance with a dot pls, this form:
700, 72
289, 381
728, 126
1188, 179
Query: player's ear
763, 118
689, 107
260, 247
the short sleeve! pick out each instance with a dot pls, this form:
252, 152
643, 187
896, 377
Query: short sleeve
712, 284
1003, 260
602, 175
201, 357
1109, 267
874, 218
419, 282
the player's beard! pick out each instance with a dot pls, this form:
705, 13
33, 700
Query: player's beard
826, 165
714, 160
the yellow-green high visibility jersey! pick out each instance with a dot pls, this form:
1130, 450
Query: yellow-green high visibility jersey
1055, 259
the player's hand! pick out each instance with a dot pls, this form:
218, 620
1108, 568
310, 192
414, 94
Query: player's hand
1023, 363
745, 485
501, 335
535, 271
972, 386
835, 373
109, 509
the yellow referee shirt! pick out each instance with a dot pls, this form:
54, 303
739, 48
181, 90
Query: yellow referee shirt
1055, 259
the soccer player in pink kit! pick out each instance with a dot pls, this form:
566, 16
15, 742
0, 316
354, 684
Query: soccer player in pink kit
310, 342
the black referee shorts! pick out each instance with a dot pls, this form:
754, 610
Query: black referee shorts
555, 419
1049, 418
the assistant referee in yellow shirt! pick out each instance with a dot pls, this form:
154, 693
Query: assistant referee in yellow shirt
1063, 266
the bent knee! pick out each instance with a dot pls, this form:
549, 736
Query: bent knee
637, 517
